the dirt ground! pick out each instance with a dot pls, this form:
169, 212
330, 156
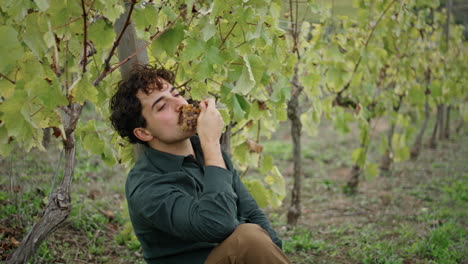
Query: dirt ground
406, 198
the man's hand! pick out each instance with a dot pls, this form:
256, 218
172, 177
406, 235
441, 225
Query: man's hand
209, 128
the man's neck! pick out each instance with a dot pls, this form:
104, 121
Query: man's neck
182, 148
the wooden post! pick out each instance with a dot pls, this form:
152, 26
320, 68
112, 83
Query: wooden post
128, 45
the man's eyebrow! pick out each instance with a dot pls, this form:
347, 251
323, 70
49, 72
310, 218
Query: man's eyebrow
160, 98
157, 101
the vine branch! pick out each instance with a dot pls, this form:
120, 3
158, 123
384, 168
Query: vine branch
64, 25
6, 78
229, 33
117, 41
242, 128
85, 33
152, 38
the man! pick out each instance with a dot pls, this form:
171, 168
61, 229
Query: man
185, 199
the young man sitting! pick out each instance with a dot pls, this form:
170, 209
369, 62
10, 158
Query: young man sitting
186, 202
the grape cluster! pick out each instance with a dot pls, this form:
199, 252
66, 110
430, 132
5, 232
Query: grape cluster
188, 117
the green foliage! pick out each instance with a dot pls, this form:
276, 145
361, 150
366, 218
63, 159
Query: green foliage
241, 55
444, 244
302, 240
126, 236
384, 52
457, 190
271, 190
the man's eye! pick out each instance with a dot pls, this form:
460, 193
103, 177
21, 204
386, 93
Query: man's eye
161, 108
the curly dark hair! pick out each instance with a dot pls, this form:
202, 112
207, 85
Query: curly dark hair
126, 107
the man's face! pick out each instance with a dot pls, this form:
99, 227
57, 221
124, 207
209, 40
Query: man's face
161, 110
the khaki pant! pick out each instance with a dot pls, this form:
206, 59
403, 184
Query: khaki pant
249, 244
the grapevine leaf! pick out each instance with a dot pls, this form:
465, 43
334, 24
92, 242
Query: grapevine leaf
276, 182
102, 35
208, 31
371, 171
359, 156
238, 111
193, 49
5, 147
43, 5
244, 103
11, 49
93, 143
83, 90
246, 81
170, 40
14, 113
258, 191
112, 9
266, 163
241, 153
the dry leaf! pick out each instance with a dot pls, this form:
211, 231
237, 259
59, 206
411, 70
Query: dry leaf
14, 242
254, 146
108, 214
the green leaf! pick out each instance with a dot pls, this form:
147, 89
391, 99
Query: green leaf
258, 191
214, 56
238, 112
170, 40
11, 50
83, 91
6, 88
359, 156
43, 5
276, 182
5, 147
169, 12
335, 78
371, 171
246, 81
112, 9
281, 112
93, 143
244, 104
436, 88
208, 30
14, 113
401, 154
266, 163
416, 96
193, 49
241, 153
203, 70
102, 35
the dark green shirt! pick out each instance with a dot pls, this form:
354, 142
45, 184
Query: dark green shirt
181, 209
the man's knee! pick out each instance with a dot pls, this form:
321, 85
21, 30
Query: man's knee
251, 234
249, 243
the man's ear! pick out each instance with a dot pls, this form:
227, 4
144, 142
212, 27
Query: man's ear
142, 134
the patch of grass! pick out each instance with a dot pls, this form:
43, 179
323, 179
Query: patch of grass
126, 236
378, 252
302, 240
457, 190
445, 244
88, 234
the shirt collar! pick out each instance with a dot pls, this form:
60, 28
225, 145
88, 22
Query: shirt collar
169, 162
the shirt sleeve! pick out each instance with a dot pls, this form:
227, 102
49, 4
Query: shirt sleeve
163, 203
248, 207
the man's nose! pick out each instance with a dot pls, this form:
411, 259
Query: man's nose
179, 103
